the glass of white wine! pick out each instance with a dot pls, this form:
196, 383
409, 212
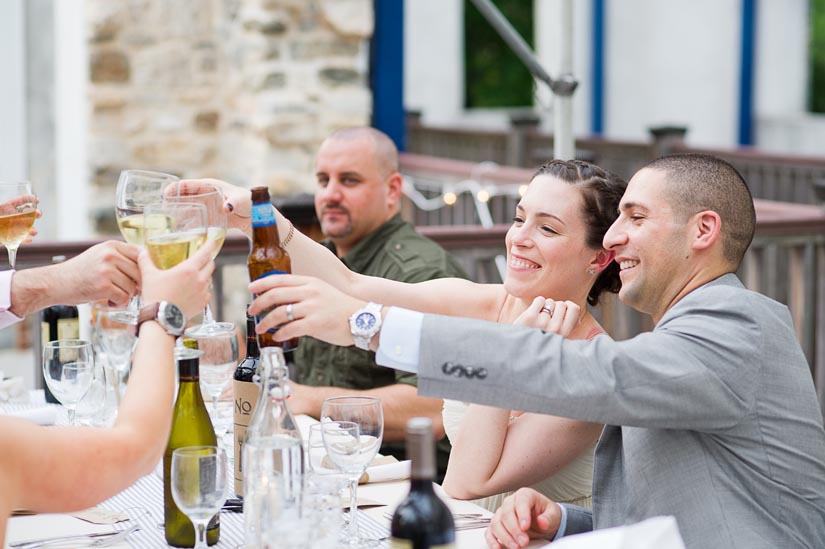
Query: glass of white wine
212, 199
136, 189
18, 210
170, 243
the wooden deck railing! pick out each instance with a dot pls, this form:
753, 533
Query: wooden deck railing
787, 178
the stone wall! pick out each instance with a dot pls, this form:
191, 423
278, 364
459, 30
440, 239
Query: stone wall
244, 90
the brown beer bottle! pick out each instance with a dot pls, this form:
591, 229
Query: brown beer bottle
267, 256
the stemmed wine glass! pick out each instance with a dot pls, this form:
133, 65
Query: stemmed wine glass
183, 233
220, 355
68, 367
352, 429
198, 476
18, 210
136, 189
114, 334
212, 199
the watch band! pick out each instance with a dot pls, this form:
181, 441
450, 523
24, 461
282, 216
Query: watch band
149, 312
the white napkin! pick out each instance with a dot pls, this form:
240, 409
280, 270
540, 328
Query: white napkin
10, 388
399, 470
653, 533
46, 415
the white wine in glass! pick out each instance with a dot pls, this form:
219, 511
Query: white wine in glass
136, 189
18, 210
186, 234
212, 199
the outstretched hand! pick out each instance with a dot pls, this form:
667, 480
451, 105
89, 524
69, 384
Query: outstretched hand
558, 317
523, 516
186, 284
237, 201
317, 309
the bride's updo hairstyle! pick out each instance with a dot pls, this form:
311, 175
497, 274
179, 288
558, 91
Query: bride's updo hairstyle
601, 192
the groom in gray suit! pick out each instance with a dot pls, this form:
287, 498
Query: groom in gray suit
712, 417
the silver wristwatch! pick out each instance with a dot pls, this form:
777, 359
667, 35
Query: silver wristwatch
167, 314
364, 324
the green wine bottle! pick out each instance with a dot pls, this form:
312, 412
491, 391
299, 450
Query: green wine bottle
191, 426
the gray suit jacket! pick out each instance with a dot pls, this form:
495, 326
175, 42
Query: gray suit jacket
720, 425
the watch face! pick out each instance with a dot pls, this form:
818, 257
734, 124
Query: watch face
174, 316
364, 321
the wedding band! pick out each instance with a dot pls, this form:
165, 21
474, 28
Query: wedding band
289, 313
546, 310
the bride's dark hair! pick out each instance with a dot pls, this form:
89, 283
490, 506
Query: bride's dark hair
601, 191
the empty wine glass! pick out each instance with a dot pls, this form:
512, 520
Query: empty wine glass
198, 478
136, 189
68, 367
217, 364
212, 199
18, 210
177, 239
114, 335
352, 429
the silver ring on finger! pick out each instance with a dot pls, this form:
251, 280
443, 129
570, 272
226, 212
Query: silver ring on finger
546, 310
290, 313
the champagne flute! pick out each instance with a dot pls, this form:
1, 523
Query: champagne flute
136, 189
198, 479
68, 367
18, 210
352, 429
177, 239
212, 198
217, 364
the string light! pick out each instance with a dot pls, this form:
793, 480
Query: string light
483, 195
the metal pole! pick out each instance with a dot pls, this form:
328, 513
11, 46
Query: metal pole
563, 141
513, 39
564, 144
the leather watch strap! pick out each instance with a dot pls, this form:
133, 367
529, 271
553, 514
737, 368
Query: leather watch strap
149, 312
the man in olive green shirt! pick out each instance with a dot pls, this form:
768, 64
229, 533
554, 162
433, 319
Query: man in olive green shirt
357, 203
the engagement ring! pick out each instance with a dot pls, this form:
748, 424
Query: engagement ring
289, 313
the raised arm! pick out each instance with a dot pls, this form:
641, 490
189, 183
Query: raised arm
68, 468
448, 296
494, 451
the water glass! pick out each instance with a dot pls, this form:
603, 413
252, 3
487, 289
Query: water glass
95, 408
198, 475
217, 364
68, 367
273, 484
352, 429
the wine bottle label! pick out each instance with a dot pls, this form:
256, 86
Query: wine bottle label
396, 543
263, 214
68, 328
246, 397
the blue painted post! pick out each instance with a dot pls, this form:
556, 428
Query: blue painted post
746, 72
387, 70
597, 67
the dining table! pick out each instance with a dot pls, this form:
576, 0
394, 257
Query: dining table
141, 504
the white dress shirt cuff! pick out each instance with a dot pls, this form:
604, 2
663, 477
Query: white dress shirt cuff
399, 340
562, 523
7, 318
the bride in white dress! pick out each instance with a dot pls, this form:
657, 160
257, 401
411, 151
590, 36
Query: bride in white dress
555, 266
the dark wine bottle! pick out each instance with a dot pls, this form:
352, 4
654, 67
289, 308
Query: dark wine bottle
422, 520
245, 395
191, 426
57, 322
